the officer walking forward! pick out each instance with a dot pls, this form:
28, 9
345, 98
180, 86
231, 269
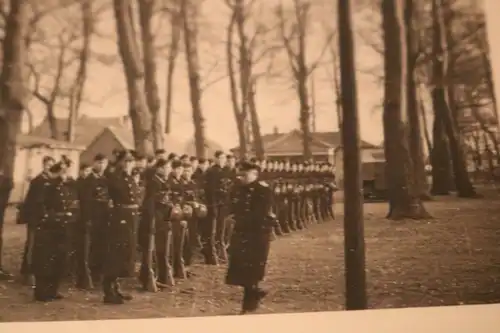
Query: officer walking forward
250, 242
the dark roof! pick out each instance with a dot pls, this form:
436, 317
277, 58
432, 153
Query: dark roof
126, 138
31, 141
291, 141
266, 140
87, 128
335, 139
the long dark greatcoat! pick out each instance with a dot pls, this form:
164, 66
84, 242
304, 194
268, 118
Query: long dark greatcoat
52, 242
250, 241
123, 224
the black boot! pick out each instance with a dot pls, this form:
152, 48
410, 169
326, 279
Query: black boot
245, 304
110, 295
252, 296
41, 290
277, 229
125, 297
54, 289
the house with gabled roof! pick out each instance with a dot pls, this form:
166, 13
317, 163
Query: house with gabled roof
86, 127
324, 145
111, 138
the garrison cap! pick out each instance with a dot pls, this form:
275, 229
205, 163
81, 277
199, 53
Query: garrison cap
99, 157
176, 164
160, 151
161, 163
125, 155
56, 168
47, 159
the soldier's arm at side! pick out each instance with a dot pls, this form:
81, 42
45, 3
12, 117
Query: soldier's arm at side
267, 199
36, 205
233, 196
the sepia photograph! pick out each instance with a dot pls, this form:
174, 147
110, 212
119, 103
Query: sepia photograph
201, 158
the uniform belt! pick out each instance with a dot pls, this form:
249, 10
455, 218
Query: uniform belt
163, 204
63, 214
127, 206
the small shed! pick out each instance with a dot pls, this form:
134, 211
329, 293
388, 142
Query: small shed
28, 162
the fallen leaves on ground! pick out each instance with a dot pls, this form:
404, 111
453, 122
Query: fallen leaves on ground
449, 260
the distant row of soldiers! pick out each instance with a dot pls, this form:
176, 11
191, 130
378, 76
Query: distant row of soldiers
166, 208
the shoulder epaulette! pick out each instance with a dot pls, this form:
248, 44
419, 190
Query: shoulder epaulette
263, 183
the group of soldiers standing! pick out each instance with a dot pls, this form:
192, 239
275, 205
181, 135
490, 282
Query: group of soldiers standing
164, 210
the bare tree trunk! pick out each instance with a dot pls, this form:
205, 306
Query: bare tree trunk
51, 118
77, 90
146, 10
491, 86
239, 114
488, 152
189, 12
486, 61
13, 90
447, 16
175, 38
313, 104
31, 121
440, 153
247, 119
404, 201
298, 65
416, 147
134, 73
354, 238
478, 160
303, 94
51, 98
425, 125
245, 61
462, 182
258, 144
336, 86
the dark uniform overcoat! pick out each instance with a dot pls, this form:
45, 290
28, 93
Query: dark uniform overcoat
250, 241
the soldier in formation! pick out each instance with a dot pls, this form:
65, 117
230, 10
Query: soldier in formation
165, 211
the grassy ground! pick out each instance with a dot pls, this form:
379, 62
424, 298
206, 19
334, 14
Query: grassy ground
453, 259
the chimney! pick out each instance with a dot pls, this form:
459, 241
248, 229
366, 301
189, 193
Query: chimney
276, 130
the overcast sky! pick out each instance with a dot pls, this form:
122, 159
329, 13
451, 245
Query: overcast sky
277, 105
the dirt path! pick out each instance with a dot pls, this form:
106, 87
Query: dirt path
452, 259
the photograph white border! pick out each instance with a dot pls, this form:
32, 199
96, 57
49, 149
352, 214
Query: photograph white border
455, 319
